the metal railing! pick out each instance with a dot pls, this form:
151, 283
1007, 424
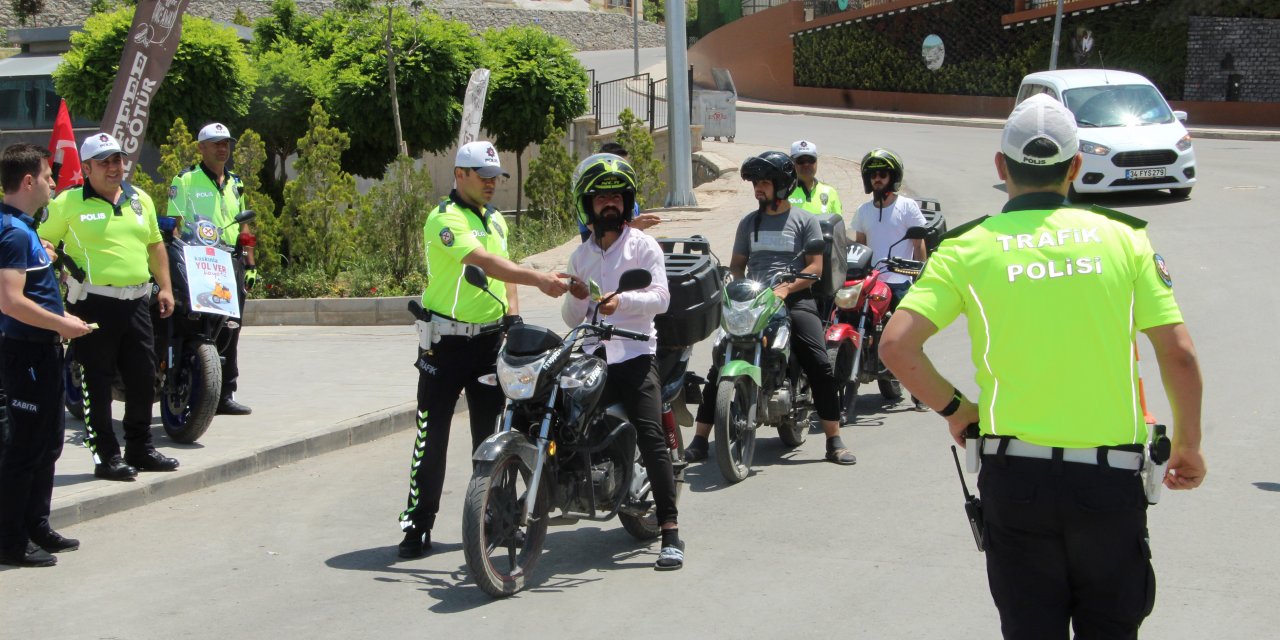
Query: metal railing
646, 97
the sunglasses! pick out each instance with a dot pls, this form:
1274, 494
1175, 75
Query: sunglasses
806, 160
879, 173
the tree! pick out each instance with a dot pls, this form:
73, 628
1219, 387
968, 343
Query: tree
248, 159
392, 215
178, 152
534, 74
434, 59
210, 78
241, 18
284, 23
290, 80
25, 10
318, 212
633, 135
550, 184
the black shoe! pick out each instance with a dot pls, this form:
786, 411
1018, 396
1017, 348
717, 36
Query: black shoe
114, 469
54, 542
32, 556
229, 407
153, 460
696, 451
416, 543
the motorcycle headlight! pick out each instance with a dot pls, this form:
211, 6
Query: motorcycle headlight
1093, 148
740, 317
519, 382
848, 296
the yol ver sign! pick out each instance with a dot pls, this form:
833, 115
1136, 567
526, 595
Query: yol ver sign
153, 38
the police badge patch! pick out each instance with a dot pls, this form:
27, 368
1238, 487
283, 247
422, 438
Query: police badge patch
1163, 270
173, 192
136, 204
446, 236
823, 198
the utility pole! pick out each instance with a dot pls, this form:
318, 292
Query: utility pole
1057, 36
680, 191
635, 33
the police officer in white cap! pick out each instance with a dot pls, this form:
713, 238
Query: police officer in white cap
459, 342
210, 191
810, 194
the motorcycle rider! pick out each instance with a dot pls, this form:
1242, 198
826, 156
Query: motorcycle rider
604, 193
884, 220
811, 194
769, 240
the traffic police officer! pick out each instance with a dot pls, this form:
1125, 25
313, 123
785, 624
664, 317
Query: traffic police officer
1054, 296
208, 190
810, 194
32, 325
459, 342
111, 237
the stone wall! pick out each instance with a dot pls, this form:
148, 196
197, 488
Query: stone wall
1222, 49
587, 30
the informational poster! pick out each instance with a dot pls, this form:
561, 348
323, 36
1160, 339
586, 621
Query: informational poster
211, 281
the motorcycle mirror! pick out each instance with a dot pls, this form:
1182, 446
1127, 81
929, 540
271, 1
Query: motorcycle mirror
475, 277
815, 245
245, 216
916, 233
634, 279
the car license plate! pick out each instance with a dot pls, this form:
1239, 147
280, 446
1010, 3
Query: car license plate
1144, 173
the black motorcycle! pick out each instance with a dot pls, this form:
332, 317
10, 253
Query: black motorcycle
187, 343
557, 448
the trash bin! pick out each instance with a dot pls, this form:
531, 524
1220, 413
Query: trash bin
717, 110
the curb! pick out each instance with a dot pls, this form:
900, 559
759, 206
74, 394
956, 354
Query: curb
328, 311
149, 488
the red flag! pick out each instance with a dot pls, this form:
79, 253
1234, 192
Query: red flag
66, 160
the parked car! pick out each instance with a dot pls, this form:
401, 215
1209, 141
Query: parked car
1129, 137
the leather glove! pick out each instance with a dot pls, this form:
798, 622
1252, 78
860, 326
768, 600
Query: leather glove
250, 277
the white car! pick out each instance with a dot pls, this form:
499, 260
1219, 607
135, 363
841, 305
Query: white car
1129, 137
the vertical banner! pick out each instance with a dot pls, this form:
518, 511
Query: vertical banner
473, 106
153, 38
66, 158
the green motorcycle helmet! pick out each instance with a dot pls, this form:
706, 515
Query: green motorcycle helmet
600, 173
882, 160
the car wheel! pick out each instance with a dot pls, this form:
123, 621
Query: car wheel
1181, 194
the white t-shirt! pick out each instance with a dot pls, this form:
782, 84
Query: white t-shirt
882, 230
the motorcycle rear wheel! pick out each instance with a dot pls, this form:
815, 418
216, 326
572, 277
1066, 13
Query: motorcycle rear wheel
795, 430
188, 404
736, 405
643, 527
498, 560
890, 388
73, 393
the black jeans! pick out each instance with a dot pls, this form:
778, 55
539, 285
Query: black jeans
452, 365
230, 350
124, 344
809, 344
1067, 547
634, 384
31, 374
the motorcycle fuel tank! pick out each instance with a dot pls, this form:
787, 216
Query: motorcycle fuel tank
579, 400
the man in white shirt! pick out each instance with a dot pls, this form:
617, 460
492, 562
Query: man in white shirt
604, 193
883, 222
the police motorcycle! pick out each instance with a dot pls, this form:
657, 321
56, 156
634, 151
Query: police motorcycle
857, 320
189, 367
760, 383
557, 449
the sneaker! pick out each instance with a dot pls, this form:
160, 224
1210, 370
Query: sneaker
919, 406
416, 543
696, 452
670, 558
54, 542
31, 556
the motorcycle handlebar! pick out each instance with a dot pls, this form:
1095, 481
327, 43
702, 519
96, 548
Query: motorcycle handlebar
642, 337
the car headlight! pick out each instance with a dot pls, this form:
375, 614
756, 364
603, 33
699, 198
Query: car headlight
518, 383
848, 296
1093, 148
740, 317
1184, 143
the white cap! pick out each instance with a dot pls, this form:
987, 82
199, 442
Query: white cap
803, 148
482, 157
1040, 118
213, 132
99, 146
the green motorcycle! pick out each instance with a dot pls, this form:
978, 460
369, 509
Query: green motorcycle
760, 382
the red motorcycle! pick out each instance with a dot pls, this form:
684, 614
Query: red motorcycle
857, 319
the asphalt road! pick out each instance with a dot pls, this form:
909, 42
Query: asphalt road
879, 550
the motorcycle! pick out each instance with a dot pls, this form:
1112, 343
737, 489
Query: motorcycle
857, 319
760, 383
189, 366
557, 449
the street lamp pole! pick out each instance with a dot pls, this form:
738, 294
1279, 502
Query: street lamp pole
1057, 36
635, 33
680, 192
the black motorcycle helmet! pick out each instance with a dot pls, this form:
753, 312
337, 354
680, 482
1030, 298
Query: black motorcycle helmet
600, 173
882, 160
774, 166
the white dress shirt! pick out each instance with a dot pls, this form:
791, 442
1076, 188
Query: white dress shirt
633, 249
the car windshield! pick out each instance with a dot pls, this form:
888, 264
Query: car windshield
1118, 106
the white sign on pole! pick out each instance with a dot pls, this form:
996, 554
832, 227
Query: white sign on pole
211, 281
473, 106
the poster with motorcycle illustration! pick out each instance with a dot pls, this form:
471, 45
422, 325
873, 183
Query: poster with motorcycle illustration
211, 281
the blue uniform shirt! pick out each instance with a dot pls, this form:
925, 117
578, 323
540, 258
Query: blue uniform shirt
20, 248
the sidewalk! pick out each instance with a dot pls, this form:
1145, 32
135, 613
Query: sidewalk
319, 389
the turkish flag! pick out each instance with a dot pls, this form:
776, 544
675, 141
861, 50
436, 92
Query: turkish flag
66, 159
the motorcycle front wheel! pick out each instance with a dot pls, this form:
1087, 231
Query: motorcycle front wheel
501, 550
736, 405
188, 402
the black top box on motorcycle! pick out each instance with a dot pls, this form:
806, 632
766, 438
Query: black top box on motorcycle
858, 261
833, 256
934, 221
694, 280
